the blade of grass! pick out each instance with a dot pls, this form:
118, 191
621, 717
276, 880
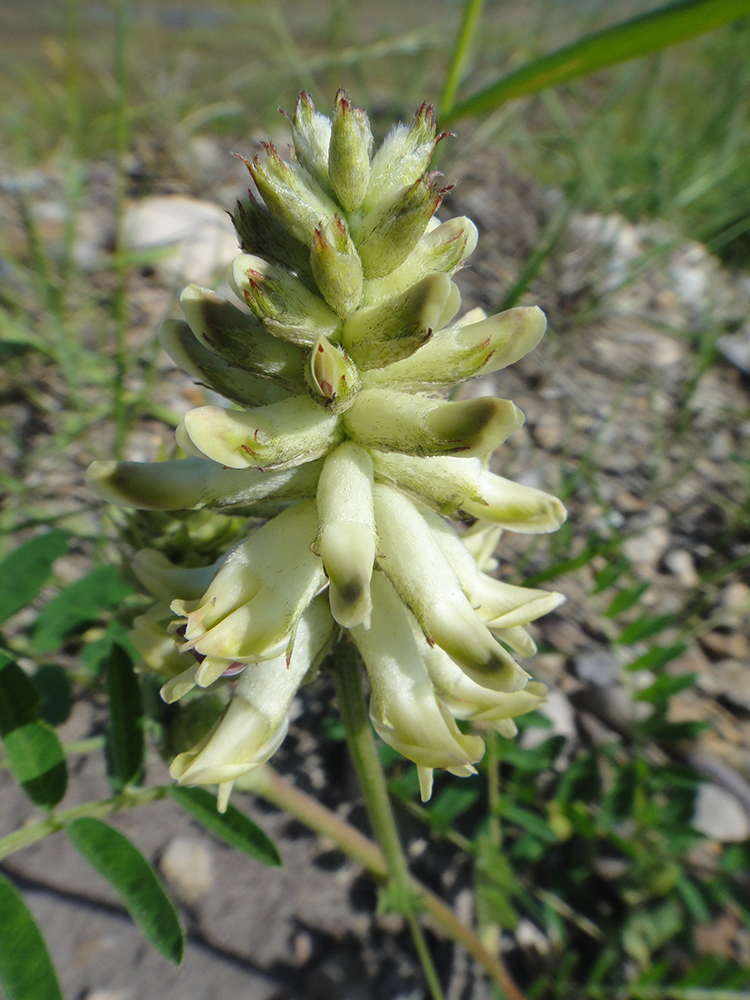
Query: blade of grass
122, 141
630, 39
460, 54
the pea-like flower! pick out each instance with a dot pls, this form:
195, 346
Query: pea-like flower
338, 431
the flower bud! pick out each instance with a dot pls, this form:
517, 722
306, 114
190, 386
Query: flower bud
337, 267
379, 336
349, 153
287, 433
255, 721
500, 605
390, 231
465, 699
422, 425
403, 157
348, 536
442, 249
311, 135
412, 560
240, 340
403, 706
197, 483
285, 307
452, 485
466, 350
257, 596
291, 194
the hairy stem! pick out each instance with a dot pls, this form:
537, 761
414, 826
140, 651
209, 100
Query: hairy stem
266, 783
57, 820
347, 674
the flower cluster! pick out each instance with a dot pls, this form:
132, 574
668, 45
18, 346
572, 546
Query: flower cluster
340, 434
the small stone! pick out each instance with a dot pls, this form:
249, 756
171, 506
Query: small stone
719, 816
109, 995
732, 681
727, 645
188, 867
680, 563
200, 234
530, 937
597, 668
646, 550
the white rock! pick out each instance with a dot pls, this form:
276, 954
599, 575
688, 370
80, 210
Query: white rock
647, 549
201, 236
719, 816
559, 711
188, 867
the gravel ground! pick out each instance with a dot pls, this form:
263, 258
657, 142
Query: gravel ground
650, 442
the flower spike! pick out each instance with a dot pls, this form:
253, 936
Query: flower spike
336, 365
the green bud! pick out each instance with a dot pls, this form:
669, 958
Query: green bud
389, 233
291, 194
197, 483
349, 153
466, 350
311, 135
443, 249
337, 267
178, 340
278, 298
421, 425
277, 436
403, 157
260, 233
378, 337
454, 485
240, 340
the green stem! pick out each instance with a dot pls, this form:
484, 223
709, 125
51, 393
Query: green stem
460, 54
347, 673
56, 821
264, 781
120, 299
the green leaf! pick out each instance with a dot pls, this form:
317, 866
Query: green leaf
55, 693
693, 899
644, 627
625, 599
664, 687
26, 970
610, 574
233, 826
24, 572
94, 654
530, 821
125, 727
452, 802
33, 751
630, 39
657, 657
117, 860
78, 605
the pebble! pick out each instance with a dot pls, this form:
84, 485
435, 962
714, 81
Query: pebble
646, 550
201, 236
719, 816
188, 867
680, 563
